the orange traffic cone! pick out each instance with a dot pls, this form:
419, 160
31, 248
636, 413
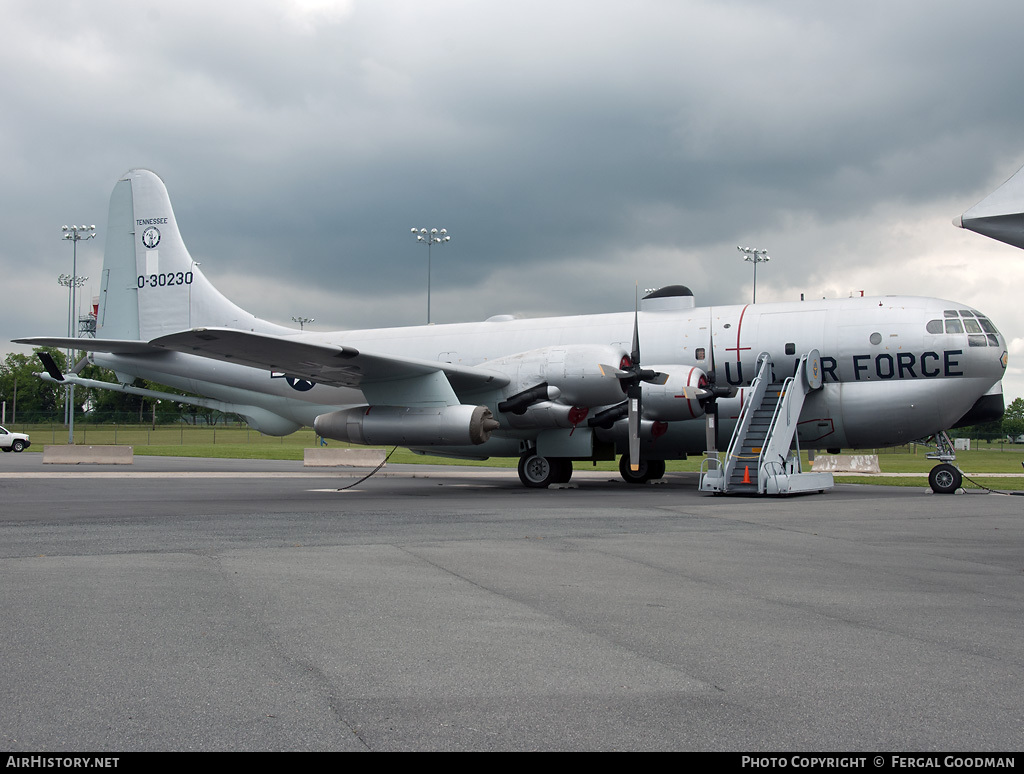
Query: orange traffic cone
746, 474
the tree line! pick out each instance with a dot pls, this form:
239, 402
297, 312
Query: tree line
30, 399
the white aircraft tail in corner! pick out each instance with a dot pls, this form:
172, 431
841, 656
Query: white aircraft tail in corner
150, 286
1000, 215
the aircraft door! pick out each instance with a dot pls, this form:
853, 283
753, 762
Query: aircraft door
788, 336
733, 344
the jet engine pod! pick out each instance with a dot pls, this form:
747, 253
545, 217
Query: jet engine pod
267, 422
679, 398
408, 426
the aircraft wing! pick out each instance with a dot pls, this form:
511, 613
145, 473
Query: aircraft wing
382, 378
113, 346
1000, 215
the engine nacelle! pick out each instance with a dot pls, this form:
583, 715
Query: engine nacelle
580, 373
547, 415
409, 426
678, 398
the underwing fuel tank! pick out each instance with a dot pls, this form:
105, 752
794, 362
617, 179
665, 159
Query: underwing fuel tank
409, 426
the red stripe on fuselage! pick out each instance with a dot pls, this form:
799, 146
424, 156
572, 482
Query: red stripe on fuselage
739, 328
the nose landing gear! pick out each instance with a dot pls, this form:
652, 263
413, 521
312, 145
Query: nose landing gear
944, 478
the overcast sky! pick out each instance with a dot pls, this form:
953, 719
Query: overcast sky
573, 149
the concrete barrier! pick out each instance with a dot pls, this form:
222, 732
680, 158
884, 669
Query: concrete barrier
846, 463
325, 457
89, 455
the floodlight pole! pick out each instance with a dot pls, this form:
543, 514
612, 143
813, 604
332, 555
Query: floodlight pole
754, 256
430, 238
302, 321
73, 234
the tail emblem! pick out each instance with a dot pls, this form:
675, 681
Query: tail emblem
151, 237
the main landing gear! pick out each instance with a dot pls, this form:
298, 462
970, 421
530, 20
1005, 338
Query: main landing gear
539, 472
647, 470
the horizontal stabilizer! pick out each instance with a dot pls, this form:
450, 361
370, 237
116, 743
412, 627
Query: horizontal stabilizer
113, 346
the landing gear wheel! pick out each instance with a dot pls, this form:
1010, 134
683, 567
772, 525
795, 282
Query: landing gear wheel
944, 479
563, 469
649, 470
18, 445
539, 472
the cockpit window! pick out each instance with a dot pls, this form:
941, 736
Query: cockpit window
981, 332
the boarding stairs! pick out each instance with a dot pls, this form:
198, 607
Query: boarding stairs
764, 452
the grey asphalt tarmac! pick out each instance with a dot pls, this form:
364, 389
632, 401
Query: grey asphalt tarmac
185, 604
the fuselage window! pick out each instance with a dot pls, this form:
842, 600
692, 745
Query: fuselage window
950, 313
935, 326
977, 340
972, 326
954, 326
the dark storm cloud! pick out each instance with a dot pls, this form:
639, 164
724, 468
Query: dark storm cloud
571, 148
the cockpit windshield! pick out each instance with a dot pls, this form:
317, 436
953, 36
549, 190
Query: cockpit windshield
979, 329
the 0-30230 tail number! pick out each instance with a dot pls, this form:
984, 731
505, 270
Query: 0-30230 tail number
165, 280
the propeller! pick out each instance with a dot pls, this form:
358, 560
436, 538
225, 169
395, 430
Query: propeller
711, 406
710, 402
631, 376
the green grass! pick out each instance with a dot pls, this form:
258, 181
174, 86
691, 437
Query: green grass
240, 442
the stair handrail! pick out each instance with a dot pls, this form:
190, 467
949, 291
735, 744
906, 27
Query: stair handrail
757, 390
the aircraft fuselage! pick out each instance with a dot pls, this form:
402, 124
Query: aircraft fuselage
894, 368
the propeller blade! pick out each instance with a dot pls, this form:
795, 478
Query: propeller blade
634, 355
711, 427
696, 393
633, 398
643, 375
713, 393
610, 370
651, 377
728, 391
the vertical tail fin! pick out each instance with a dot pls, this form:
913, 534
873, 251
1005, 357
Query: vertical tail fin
150, 285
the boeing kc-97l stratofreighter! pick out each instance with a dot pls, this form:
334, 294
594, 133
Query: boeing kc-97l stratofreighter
843, 373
